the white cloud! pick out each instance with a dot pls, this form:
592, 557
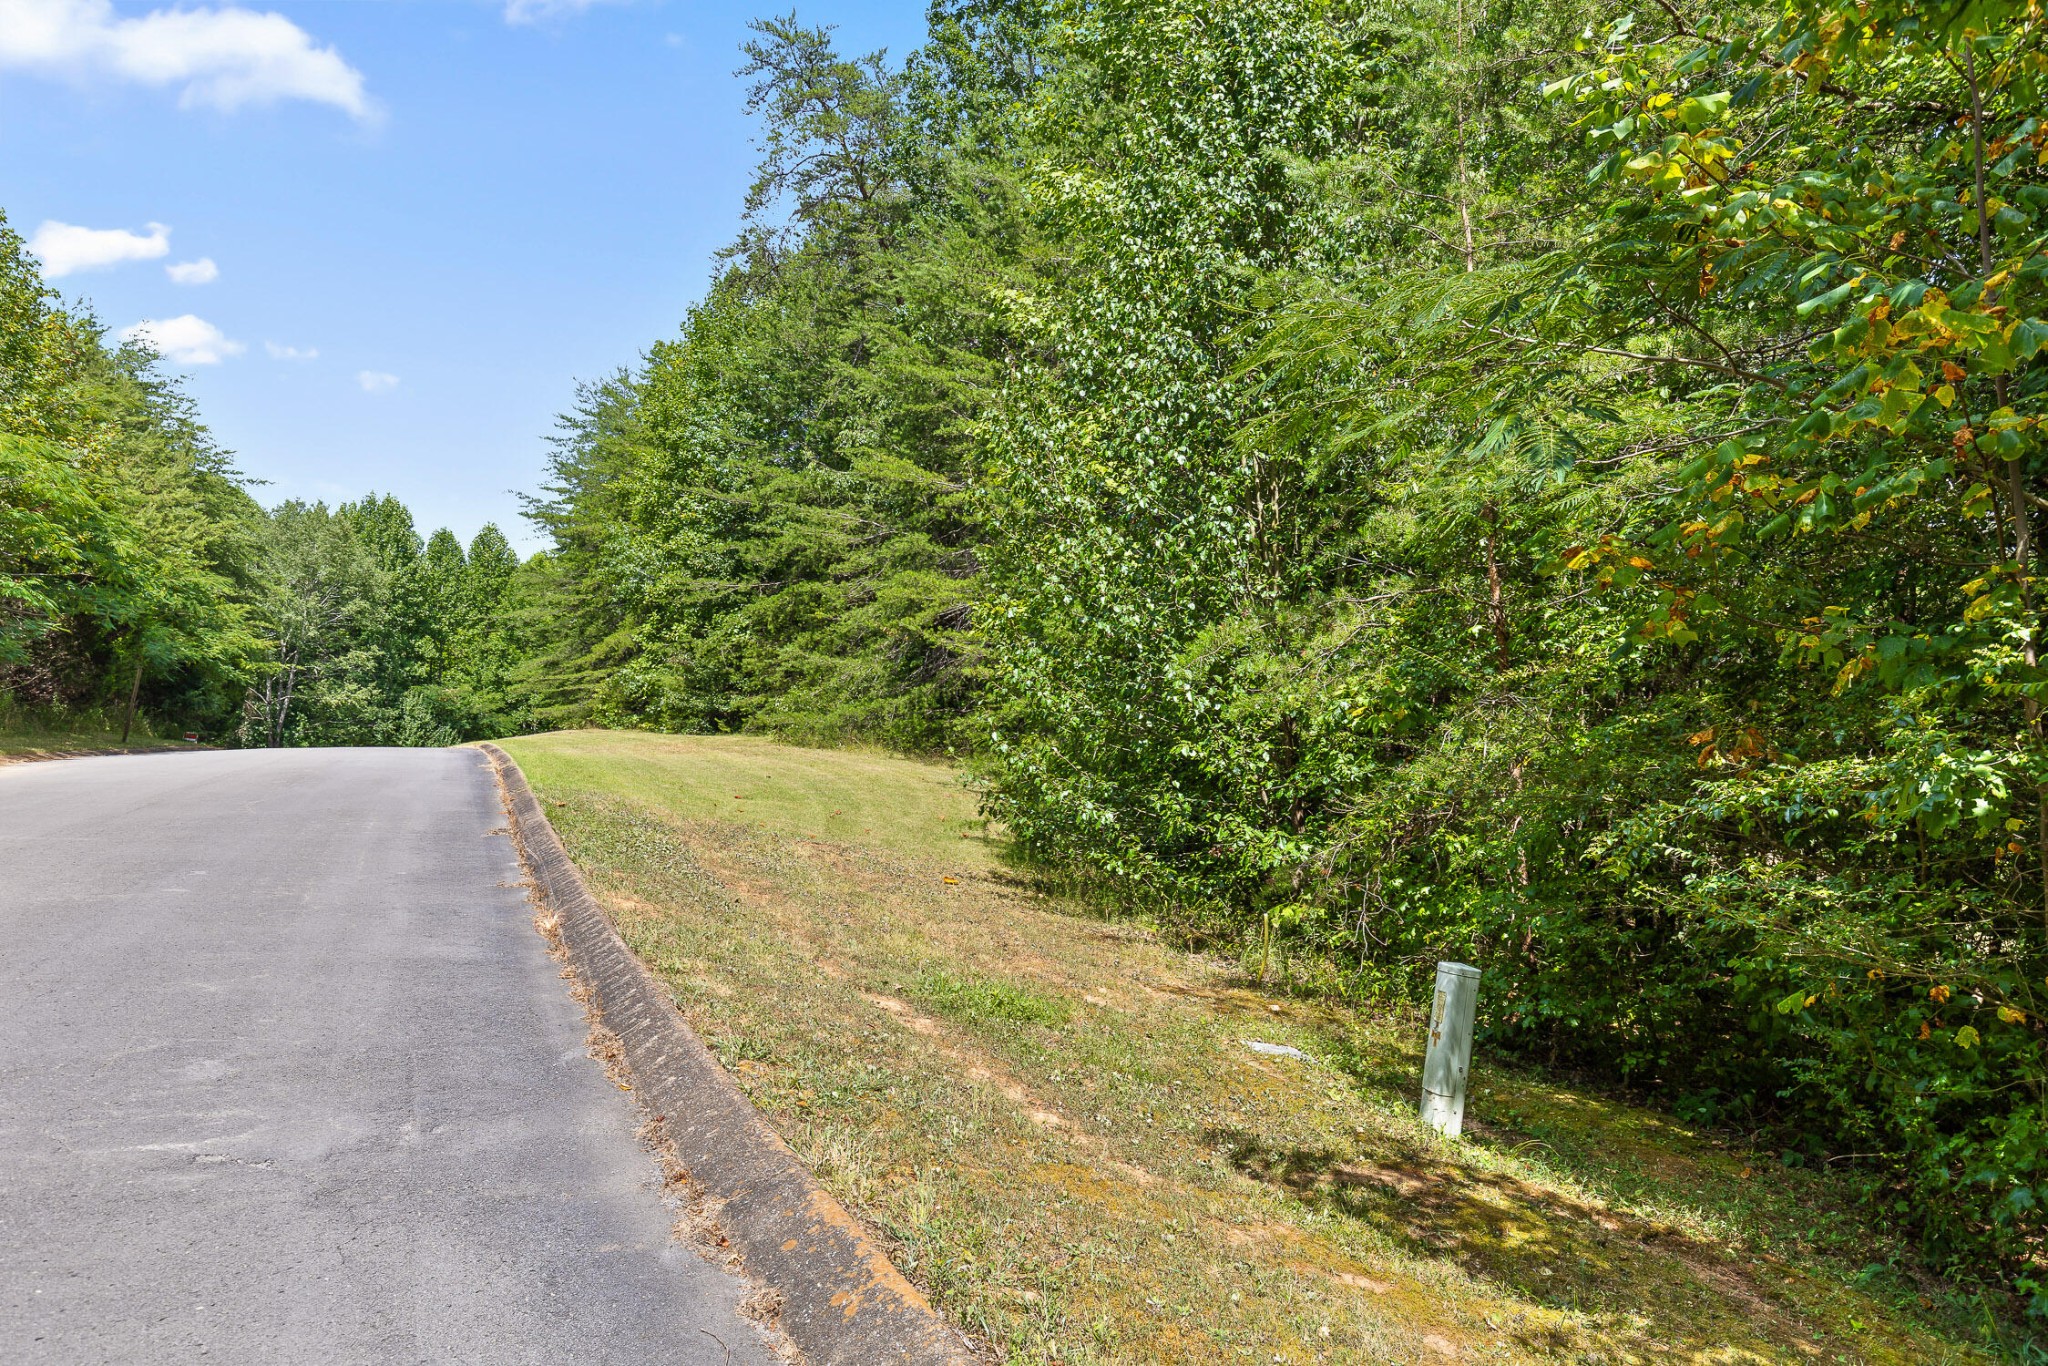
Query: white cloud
65, 248
281, 352
200, 272
376, 381
216, 58
184, 340
537, 11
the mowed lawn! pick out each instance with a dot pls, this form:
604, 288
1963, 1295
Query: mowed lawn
1057, 1126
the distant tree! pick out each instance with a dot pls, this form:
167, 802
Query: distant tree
321, 613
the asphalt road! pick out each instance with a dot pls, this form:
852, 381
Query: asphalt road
287, 1076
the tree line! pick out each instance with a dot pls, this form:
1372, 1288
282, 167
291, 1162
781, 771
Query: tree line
1512, 480
139, 573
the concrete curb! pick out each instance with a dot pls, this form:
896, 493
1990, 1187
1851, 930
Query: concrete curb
843, 1303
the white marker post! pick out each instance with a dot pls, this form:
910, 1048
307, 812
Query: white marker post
1450, 1047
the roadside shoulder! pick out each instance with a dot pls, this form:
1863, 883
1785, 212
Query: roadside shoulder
842, 1301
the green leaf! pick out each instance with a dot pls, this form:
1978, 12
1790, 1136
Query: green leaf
1827, 300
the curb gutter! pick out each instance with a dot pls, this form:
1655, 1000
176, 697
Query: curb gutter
843, 1303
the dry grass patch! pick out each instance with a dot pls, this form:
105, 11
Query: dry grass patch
1056, 1126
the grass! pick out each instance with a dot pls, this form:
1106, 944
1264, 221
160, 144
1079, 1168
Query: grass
1054, 1120
981, 1000
42, 733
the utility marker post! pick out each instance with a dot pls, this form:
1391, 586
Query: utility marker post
1450, 1047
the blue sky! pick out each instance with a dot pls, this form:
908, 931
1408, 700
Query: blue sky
462, 208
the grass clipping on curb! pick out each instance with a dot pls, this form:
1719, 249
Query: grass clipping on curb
1056, 1126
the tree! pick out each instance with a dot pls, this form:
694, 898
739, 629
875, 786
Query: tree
124, 530
1782, 374
768, 524
321, 614
1150, 574
828, 134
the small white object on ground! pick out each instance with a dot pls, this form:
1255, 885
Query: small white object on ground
1274, 1050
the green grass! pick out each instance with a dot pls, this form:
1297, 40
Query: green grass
50, 733
981, 1000
879, 801
1053, 1120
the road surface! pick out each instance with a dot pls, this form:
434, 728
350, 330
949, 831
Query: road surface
287, 1076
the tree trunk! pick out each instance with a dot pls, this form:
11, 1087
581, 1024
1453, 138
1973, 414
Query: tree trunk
1496, 601
134, 695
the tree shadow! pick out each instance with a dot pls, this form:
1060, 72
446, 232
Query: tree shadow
1627, 1282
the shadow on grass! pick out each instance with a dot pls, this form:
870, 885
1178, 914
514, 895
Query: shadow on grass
1641, 1283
